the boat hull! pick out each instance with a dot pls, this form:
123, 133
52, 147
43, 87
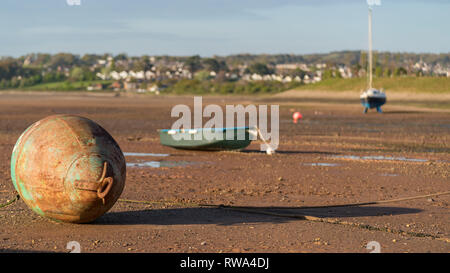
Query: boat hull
206, 139
373, 102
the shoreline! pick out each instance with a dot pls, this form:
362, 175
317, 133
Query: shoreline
396, 100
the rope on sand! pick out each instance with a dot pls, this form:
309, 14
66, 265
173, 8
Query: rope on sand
269, 149
17, 197
247, 208
353, 204
254, 209
173, 203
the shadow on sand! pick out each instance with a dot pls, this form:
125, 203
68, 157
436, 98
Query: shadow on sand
402, 112
24, 251
218, 216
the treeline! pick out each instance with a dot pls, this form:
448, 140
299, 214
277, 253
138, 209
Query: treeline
348, 58
46, 68
14, 76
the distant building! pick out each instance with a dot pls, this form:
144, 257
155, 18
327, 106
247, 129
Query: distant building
292, 66
116, 86
28, 60
256, 77
287, 79
130, 86
233, 76
101, 76
306, 79
153, 88
115, 75
150, 75
95, 87
123, 74
317, 79
277, 77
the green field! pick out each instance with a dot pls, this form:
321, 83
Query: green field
395, 84
64, 86
437, 85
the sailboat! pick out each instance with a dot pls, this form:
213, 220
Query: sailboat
372, 97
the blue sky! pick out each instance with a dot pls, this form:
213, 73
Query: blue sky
220, 27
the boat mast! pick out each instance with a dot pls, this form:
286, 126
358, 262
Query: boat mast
370, 47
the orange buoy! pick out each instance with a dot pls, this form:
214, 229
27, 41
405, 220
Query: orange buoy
297, 116
68, 168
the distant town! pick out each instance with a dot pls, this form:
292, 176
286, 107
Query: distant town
243, 73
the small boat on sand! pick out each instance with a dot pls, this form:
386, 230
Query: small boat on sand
373, 98
208, 139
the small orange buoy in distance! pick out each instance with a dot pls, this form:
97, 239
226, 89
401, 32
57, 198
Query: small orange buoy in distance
297, 116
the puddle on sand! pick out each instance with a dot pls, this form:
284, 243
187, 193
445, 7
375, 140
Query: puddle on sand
159, 164
321, 164
442, 161
388, 174
355, 157
144, 154
154, 164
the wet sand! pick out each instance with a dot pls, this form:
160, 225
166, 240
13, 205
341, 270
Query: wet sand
335, 155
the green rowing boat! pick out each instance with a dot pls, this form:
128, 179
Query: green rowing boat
208, 139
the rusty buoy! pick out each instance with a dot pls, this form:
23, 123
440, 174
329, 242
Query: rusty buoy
68, 168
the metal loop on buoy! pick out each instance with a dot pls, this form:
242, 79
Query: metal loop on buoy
105, 184
104, 187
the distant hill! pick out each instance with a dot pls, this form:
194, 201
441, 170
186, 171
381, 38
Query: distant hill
348, 58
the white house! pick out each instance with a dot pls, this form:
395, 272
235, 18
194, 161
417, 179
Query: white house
123, 74
115, 75
149, 75
101, 76
317, 78
153, 88
287, 79
233, 76
277, 77
256, 77
131, 74
140, 75
306, 79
